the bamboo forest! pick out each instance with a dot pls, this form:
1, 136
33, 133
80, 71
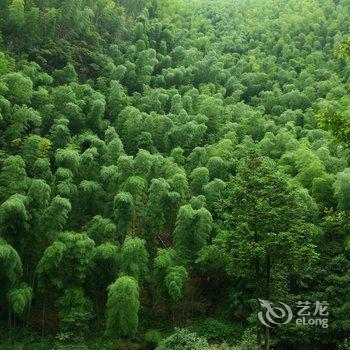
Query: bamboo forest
175, 174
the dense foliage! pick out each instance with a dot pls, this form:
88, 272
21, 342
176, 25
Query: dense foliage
165, 164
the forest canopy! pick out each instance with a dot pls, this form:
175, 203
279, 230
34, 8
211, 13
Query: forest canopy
165, 165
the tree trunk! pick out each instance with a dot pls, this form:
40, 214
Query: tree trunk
258, 336
268, 286
267, 338
30, 303
10, 324
257, 277
43, 319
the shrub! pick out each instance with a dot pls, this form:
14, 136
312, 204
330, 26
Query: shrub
152, 338
215, 331
248, 341
183, 339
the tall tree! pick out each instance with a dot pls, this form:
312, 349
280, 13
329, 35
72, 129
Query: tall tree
264, 236
122, 308
13, 177
124, 212
135, 258
191, 233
